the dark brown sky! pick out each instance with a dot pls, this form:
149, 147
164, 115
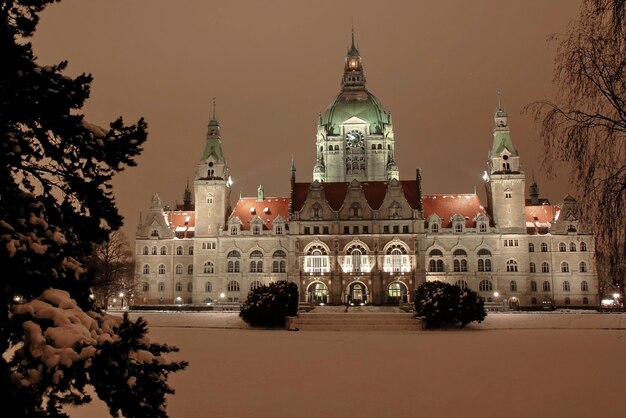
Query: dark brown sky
273, 65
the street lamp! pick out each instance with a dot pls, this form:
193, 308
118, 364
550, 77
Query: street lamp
121, 295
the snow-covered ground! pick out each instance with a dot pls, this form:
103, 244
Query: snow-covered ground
512, 365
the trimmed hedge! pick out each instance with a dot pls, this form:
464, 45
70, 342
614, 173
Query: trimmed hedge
269, 306
443, 305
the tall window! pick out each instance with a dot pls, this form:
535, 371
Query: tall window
564, 267
582, 267
460, 260
179, 269
511, 265
208, 287
209, 267
232, 286
161, 268
545, 267
179, 287
316, 260
531, 247
145, 250
583, 246
256, 266
355, 159
255, 285
435, 263
484, 260
584, 286
161, 287
546, 286
562, 247
233, 264
190, 250
533, 286
533, 268
485, 286
572, 246
462, 284
146, 269
145, 287
154, 250
513, 286
179, 250
566, 286
397, 259
163, 250
190, 269
544, 247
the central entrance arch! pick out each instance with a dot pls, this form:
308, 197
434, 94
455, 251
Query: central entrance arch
317, 293
357, 293
397, 293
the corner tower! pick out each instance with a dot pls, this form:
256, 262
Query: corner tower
354, 134
211, 184
505, 180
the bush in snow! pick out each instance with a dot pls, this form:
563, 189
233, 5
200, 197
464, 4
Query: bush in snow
442, 305
269, 306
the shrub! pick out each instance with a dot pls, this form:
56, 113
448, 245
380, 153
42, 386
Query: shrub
442, 305
269, 306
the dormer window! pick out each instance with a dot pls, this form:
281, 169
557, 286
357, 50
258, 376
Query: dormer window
508, 194
154, 233
355, 210
256, 230
234, 230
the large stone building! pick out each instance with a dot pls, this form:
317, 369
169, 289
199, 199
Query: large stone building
358, 233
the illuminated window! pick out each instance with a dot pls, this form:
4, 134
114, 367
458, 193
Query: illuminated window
232, 286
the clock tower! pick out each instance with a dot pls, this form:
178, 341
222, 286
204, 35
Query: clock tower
354, 134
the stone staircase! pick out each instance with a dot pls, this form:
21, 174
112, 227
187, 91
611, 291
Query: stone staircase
355, 319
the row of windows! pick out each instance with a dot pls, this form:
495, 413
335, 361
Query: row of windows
487, 286
545, 267
356, 229
566, 301
232, 286
163, 250
278, 266
562, 247
256, 229
458, 227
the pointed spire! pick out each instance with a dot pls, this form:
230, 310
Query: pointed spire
293, 164
260, 194
353, 45
499, 100
214, 106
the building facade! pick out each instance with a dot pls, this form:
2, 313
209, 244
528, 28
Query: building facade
358, 234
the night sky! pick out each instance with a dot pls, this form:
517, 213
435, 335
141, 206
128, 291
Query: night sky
274, 65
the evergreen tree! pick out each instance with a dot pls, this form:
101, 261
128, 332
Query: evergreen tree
56, 202
443, 305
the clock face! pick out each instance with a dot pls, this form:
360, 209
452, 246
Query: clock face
354, 139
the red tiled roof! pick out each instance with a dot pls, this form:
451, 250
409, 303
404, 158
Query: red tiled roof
249, 207
445, 206
540, 216
374, 191
182, 222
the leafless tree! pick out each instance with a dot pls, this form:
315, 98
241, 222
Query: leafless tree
112, 266
585, 126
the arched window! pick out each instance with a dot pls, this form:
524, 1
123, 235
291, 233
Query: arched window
485, 286
145, 250
546, 286
208, 287
544, 247
511, 265
460, 260
533, 268
208, 268
256, 266
316, 260
462, 284
436, 253
355, 210
233, 265
279, 254
531, 247
232, 286
146, 269
566, 286
567, 301
256, 254
233, 254
164, 250
533, 286
583, 246
434, 228
179, 269
582, 267
572, 246
145, 287
234, 230
161, 268
179, 250
545, 267
190, 269
458, 227
256, 230
513, 286
564, 267
562, 247
484, 260
179, 287
584, 286
482, 227
154, 251
190, 250
255, 285
161, 287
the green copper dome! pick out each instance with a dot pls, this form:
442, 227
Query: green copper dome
363, 105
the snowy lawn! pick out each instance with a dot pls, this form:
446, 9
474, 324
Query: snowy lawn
561, 365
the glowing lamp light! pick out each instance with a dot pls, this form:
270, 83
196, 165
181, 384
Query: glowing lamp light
496, 294
485, 176
222, 295
615, 295
121, 294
